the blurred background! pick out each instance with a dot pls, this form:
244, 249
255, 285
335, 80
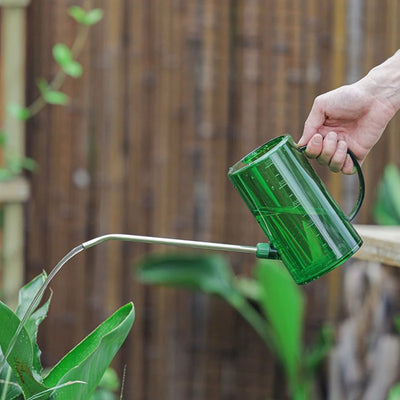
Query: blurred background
172, 94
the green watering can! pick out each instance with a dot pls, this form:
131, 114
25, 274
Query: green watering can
294, 209
306, 229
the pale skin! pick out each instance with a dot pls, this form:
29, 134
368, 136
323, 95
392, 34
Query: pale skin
353, 116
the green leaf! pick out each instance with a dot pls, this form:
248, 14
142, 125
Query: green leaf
83, 17
93, 17
207, 273
387, 208
62, 54
110, 380
88, 361
320, 349
28, 163
394, 393
5, 174
50, 391
50, 95
397, 322
249, 288
77, 13
283, 305
73, 68
18, 111
43, 86
3, 138
21, 356
9, 388
55, 97
25, 298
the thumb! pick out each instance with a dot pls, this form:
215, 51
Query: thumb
314, 121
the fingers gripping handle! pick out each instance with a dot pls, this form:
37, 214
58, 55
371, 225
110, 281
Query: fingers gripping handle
361, 182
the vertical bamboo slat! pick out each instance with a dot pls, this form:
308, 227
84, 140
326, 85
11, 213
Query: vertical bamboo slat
13, 41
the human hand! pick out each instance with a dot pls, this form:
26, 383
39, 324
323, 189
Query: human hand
352, 116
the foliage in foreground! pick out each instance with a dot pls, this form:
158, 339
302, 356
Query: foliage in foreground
387, 205
271, 303
77, 375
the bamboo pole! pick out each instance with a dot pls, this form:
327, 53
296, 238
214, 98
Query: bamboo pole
13, 36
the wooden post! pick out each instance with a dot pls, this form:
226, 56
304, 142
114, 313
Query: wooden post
13, 36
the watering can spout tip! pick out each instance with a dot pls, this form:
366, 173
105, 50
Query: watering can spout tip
265, 250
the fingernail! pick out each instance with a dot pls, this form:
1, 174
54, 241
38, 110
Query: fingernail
342, 145
317, 139
331, 136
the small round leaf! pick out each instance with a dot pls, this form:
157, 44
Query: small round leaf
62, 54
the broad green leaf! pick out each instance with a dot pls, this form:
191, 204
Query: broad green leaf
93, 17
9, 388
62, 54
27, 293
21, 356
283, 304
77, 13
88, 361
73, 68
25, 298
18, 111
207, 273
53, 390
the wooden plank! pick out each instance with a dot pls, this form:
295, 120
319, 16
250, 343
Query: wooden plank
381, 244
14, 3
16, 190
13, 59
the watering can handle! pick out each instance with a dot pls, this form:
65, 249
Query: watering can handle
361, 183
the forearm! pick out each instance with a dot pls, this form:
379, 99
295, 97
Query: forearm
383, 81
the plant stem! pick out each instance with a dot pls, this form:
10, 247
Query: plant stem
258, 323
59, 79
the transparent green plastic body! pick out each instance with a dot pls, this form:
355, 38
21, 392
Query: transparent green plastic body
294, 209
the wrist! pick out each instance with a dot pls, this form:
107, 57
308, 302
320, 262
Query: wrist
383, 82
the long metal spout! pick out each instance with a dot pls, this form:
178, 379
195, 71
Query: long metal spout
262, 250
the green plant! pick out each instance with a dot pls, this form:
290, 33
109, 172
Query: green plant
386, 211
270, 302
386, 208
79, 372
49, 91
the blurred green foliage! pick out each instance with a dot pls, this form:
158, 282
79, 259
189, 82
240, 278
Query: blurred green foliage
270, 302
